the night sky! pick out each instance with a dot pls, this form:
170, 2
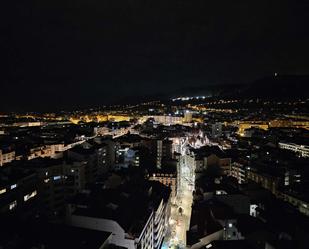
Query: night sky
74, 53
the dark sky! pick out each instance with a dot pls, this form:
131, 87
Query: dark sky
67, 53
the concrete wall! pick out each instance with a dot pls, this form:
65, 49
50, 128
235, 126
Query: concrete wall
118, 233
208, 239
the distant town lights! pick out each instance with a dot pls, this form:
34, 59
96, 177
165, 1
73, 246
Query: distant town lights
189, 98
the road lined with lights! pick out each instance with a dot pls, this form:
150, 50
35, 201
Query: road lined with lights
179, 221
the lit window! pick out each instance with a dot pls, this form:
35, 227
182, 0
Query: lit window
2, 191
13, 205
57, 178
13, 186
29, 196
46, 180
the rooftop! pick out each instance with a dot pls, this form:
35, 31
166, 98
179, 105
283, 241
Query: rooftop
129, 204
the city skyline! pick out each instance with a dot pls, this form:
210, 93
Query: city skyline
166, 124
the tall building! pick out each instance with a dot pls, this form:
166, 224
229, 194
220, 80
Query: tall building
18, 191
135, 214
216, 130
163, 150
126, 157
56, 181
6, 157
187, 117
168, 120
299, 149
210, 157
99, 158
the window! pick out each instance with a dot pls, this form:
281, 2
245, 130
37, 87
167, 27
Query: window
29, 196
2, 191
57, 178
13, 205
13, 186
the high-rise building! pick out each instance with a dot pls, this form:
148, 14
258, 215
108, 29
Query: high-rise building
188, 117
18, 191
216, 130
135, 214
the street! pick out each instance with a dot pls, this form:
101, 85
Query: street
180, 212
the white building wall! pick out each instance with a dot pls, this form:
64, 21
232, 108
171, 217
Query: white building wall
118, 233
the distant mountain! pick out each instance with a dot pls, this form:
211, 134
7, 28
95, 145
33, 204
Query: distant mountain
212, 90
285, 86
275, 87
278, 87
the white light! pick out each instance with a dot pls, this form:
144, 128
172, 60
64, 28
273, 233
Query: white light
13, 186
13, 205
29, 196
57, 178
209, 245
230, 225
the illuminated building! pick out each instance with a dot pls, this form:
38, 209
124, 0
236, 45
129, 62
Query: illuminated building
166, 177
289, 124
187, 117
242, 126
96, 155
100, 118
216, 130
238, 171
6, 157
50, 150
168, 120
56, 181
28, 124
163, 149
297, 200
118, 118
18, 191
266, 181
126, 157
211, 156
115, 211
301, 150
101, 131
